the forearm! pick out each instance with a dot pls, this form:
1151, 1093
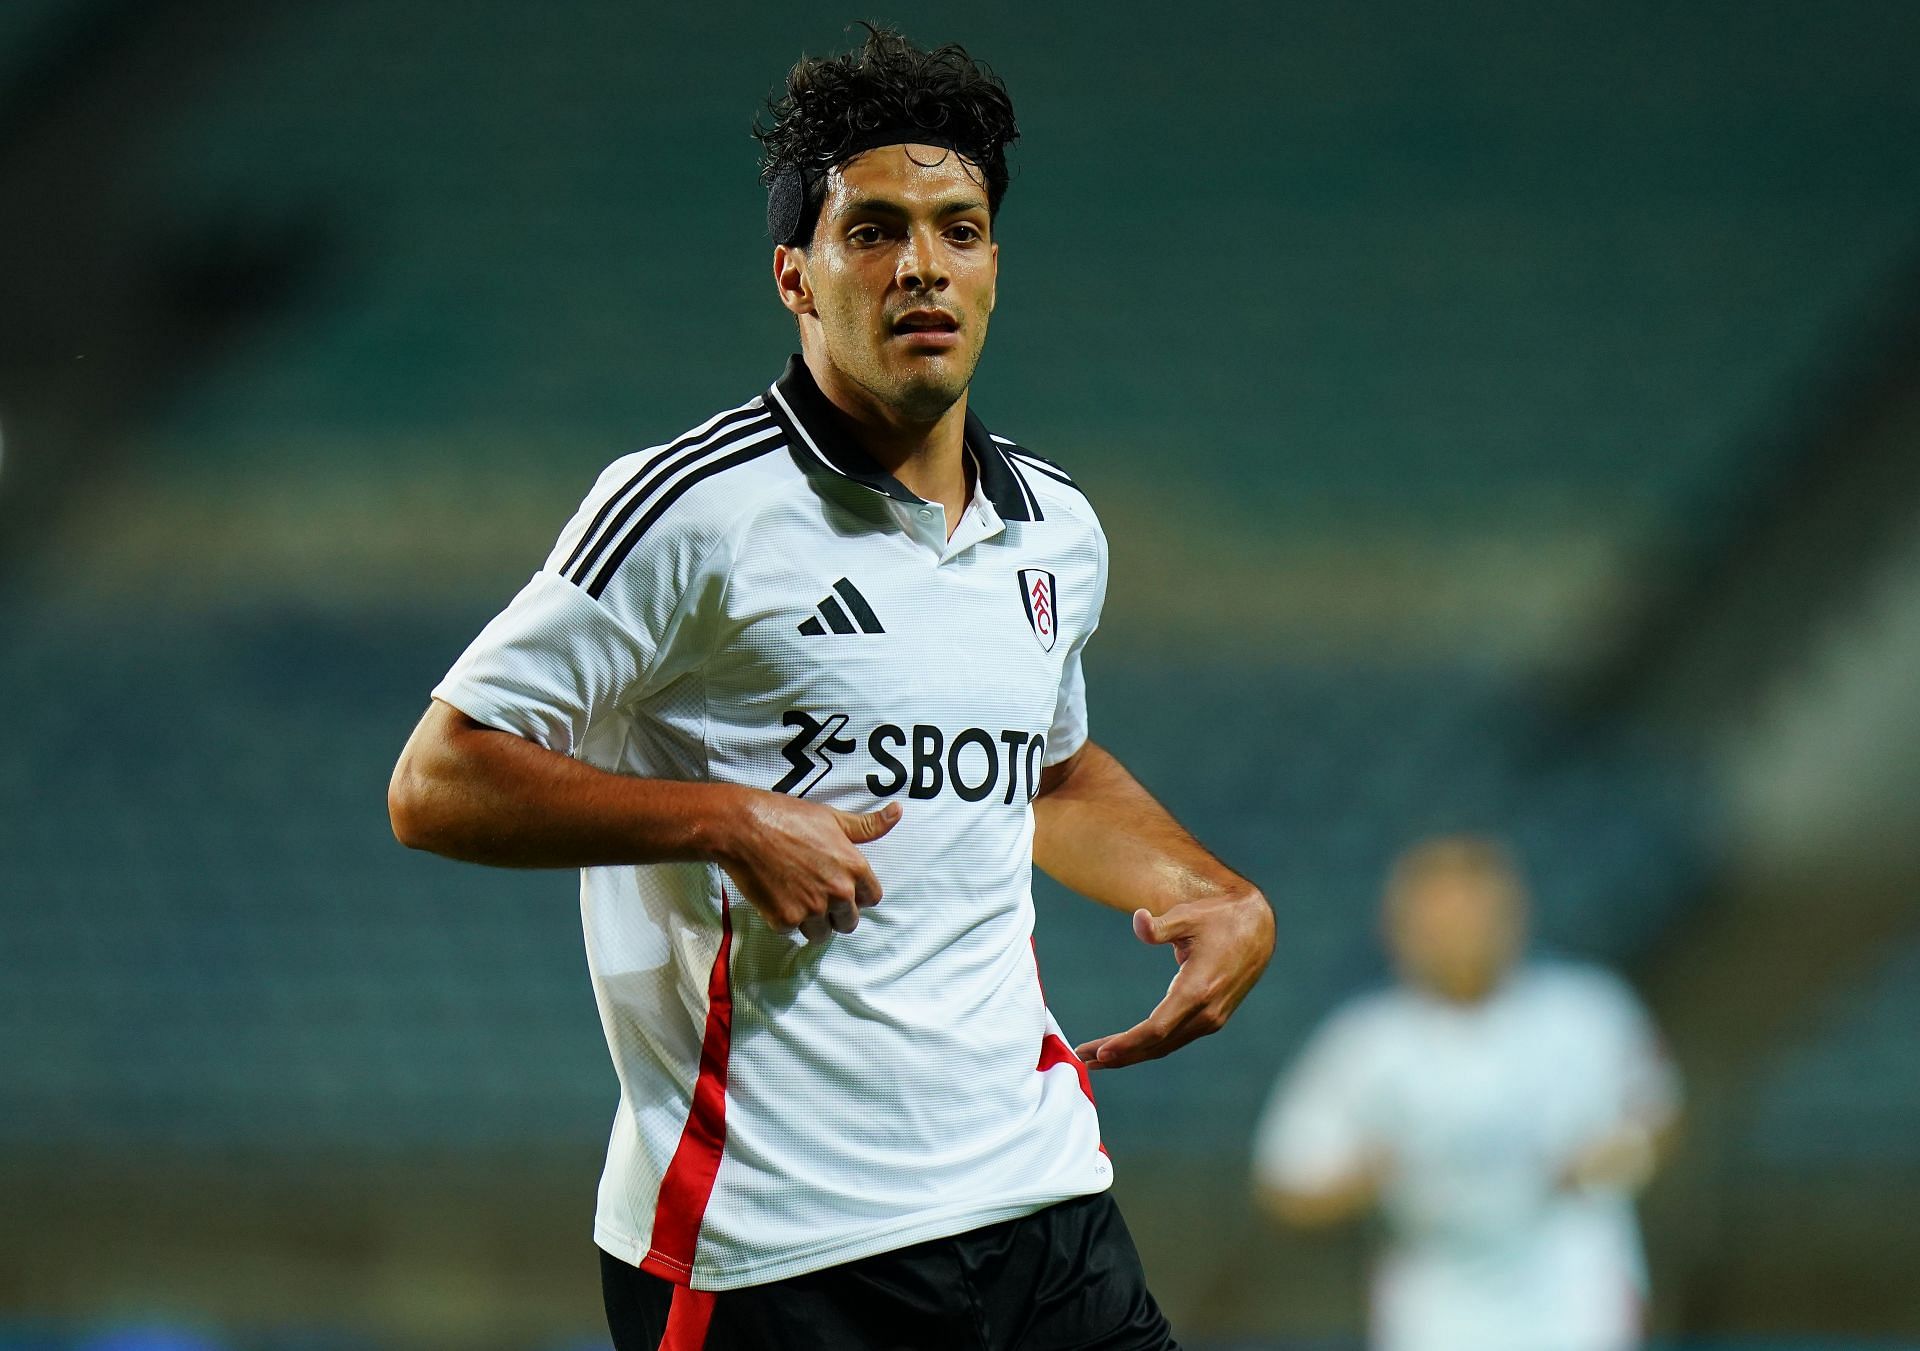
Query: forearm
471, 792
1098, 831
1337, 1203
1628, 1156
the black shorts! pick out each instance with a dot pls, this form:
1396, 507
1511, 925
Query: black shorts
1066, 1278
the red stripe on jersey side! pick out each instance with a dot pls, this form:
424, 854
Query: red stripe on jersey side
688, 1184
687, 1319
1054, 1051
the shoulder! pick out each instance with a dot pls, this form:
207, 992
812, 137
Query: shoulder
1047, 480
1581, 989
688, 493
1366, 1022
1350, 1052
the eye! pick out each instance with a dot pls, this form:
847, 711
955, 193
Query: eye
865, 234
964, 233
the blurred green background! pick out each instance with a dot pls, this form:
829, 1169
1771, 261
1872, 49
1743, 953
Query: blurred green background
1506, 416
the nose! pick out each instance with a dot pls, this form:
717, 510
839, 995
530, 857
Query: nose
923, 263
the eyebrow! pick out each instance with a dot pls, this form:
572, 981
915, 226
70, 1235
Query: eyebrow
883, 206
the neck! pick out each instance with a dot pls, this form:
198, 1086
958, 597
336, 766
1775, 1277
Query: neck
1465, 994
929, 458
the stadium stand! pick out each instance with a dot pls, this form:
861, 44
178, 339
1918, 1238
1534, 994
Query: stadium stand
1448, 274
25, 27
1845, 1097
221, 947
20, 30
551, 228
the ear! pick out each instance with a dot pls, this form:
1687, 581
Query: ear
790, 279
993, 284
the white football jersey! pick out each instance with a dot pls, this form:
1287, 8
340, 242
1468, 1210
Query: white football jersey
1479, 1109
759, 603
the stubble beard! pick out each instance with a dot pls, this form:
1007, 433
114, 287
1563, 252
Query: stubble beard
917, 390
925, 387
925, 396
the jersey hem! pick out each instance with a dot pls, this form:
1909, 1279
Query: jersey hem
941, 1224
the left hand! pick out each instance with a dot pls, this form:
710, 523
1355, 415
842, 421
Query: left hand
1222, 944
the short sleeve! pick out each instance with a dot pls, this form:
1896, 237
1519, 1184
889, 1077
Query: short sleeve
1313, 1133
1069, 731
591, 632
1650, 1085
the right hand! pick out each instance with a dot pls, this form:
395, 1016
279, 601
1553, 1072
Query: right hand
797, 864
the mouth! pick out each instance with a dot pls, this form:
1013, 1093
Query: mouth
927, 327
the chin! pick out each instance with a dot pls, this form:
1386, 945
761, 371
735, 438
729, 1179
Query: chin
923, 397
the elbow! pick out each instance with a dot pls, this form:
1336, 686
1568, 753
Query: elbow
403, 808
1313, 1207
432, 797
410, 807
1300, 1210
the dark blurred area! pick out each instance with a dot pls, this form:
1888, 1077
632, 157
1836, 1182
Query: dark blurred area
1506, 418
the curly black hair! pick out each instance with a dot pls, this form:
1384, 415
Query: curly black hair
832, 105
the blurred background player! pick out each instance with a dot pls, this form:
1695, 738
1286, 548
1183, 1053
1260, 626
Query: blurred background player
1499, 1112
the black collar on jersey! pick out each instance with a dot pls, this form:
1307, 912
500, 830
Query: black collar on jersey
818, 438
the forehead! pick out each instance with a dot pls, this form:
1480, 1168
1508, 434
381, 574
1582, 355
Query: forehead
909, 175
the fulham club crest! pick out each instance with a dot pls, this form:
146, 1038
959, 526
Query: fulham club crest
1043, 606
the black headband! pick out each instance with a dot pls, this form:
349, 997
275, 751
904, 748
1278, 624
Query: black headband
788, 220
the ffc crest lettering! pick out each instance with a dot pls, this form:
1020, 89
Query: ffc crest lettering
1043, 607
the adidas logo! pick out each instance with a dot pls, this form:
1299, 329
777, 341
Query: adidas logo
836, 615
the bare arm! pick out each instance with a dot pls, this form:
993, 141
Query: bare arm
1099, 832
1627, 1157
472, 792
1323, 1207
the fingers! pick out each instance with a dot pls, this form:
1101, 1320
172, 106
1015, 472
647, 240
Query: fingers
842, 914
1174, 924
1221, 945
866, 886
1142, 1041
861, 828
1145, 1040
841, 917
805, 872
1186, 1014
1148, 1040
865, 828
